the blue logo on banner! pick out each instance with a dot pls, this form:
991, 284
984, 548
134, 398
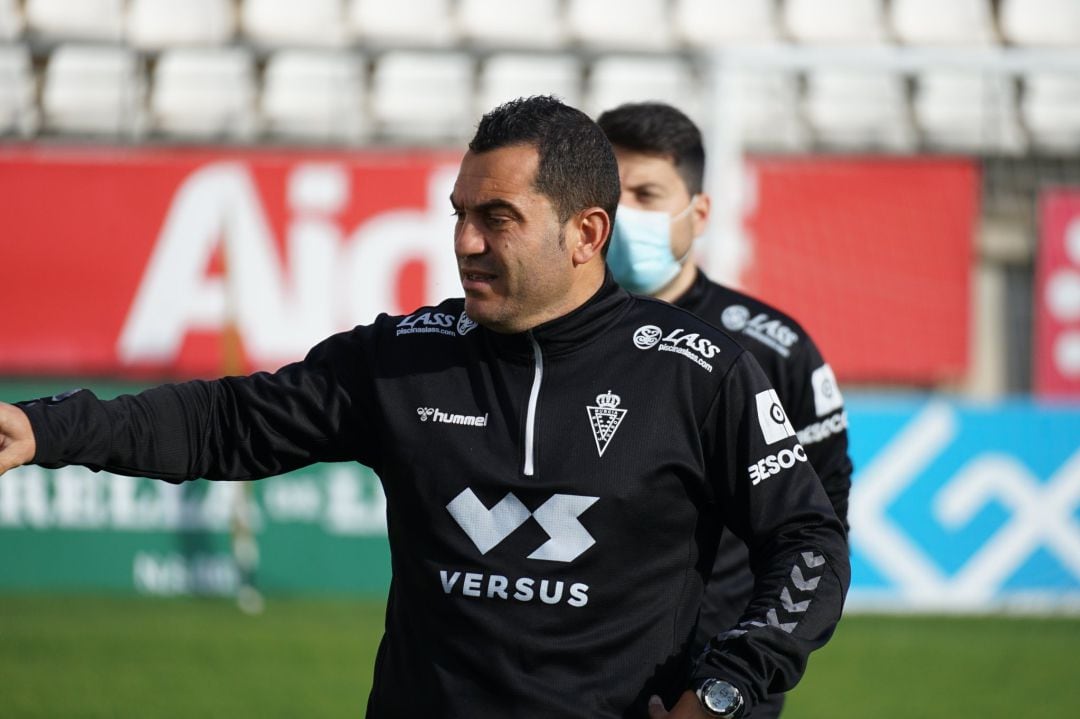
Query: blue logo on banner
964, 507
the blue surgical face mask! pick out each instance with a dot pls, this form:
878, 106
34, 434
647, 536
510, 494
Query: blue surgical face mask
640, 255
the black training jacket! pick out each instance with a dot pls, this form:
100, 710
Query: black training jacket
807, 388
552, 498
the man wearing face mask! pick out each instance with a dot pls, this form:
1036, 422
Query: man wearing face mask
662, 210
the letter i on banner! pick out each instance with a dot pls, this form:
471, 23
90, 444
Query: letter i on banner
245, 550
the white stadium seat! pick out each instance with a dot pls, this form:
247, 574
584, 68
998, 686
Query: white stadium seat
18, 112
1050, 109
933, 22
967, 112
204, 93
835, 21
627, 24
403, 22
423, 96
11, 20
1041, 22
530, 24
83, 19
859, 109
763, 105
704, 23
617, 79
314, 95
92, 89
509, 75
289, 22
155, 24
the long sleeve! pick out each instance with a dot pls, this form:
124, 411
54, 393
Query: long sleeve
234, 428
771, 498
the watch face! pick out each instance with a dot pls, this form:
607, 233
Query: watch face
721, 698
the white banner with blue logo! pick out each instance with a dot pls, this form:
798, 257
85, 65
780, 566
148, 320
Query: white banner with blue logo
964, 507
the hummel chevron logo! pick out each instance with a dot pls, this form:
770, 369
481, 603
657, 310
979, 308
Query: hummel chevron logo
557, 516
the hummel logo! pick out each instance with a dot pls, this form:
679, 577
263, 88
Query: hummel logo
558, 517
605, 418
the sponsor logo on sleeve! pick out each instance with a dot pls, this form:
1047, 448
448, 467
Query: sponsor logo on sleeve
690, 345
426, 323
827, 397
770, 332
605, 418
776, 463
775, 425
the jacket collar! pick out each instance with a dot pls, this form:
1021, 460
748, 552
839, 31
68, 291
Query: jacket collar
573, 330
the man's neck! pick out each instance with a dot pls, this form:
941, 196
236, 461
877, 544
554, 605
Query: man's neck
677, 287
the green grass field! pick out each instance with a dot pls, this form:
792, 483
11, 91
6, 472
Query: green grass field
79, 657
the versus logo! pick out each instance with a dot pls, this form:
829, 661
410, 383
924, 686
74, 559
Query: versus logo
771, 333
427, 322
775, 425
558, 516
690, 345
437, 415
605, 418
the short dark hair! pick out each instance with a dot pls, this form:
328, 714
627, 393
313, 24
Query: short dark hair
656, 128
577, 164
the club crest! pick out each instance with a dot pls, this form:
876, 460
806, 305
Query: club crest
605, 419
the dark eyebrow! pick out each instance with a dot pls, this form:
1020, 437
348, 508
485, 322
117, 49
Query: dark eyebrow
491, 205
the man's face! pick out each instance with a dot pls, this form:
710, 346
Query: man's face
651, 182
514, 257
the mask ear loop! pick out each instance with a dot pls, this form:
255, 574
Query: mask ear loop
675, 218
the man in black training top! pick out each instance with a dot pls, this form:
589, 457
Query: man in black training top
559, 458
662, 210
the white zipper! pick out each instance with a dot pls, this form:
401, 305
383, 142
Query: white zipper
530, 419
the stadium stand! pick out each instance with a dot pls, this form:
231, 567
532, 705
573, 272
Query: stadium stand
422, 97
845, 22
504, 76
314, 96
532, 24
92, 90
859, 109
11, 20
705, 23
84, 20
204, 93
408, 23
931, 22
968, 111
18, 112
764, 110
157, 24
616, 79
290, 23
1041, 22
633, 25
1050, 110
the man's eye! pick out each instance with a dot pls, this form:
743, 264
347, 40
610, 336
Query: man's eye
496, 221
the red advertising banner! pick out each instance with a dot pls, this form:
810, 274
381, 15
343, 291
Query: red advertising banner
113, 260
148, 262
1056, 361
873, 257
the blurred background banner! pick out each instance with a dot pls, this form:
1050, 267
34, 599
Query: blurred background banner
956, 507
316, 244
1057, 303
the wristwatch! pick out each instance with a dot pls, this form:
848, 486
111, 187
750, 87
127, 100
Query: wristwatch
719, 698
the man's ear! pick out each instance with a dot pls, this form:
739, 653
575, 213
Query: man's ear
593, 227
700, 214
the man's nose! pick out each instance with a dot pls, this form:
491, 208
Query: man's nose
468, 239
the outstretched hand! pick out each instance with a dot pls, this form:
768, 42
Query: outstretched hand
688, 707
17, 445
